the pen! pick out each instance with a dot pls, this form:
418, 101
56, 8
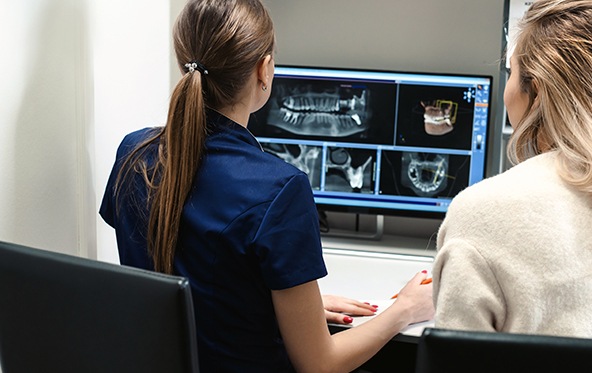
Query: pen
424, 282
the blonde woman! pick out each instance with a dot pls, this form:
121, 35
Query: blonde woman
514, 252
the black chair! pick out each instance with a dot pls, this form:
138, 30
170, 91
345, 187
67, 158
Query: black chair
61, 313
442, 350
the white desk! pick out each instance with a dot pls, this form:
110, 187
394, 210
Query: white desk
375, 271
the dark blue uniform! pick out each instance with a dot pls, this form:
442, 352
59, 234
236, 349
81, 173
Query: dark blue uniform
249, 226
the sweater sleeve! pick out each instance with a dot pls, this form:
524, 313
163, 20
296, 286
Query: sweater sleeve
466, 292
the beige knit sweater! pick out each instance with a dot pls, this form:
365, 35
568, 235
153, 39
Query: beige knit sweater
515, 255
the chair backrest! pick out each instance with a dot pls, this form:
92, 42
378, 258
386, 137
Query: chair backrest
442, 350
61, 313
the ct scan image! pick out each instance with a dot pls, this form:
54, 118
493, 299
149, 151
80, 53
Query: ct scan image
423, 174
350, 170
327, 110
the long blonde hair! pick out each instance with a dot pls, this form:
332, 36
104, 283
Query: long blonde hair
554, 55
227, 38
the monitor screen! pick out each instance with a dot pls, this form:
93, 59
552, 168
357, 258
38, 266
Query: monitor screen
379, 142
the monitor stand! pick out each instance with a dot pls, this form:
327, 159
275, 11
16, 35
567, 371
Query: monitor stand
372, 235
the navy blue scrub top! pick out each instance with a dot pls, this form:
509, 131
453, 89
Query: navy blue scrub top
249, 226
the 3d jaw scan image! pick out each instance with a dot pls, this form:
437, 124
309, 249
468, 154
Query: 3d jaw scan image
435, 117
439, 117
321, 109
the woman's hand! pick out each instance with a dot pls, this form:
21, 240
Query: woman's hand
339, 310
417, 299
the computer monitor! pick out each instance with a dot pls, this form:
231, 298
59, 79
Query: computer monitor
378, 142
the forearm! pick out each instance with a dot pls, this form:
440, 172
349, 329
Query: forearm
311, 348
355, 346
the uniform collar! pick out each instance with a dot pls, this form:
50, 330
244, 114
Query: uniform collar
218, 123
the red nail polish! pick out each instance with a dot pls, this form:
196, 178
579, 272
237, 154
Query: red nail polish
375, 306
348, 319
424, 271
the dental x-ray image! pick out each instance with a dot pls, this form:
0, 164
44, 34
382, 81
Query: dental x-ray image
435, 117
426, 174
423, 174
334, 113
327, 110
306, 158
350, 170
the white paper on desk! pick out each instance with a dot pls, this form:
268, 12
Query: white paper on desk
412, 330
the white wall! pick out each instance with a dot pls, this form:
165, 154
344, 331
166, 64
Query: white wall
455, 36
131, 90
44, 123
75, 76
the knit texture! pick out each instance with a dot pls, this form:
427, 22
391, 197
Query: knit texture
515, 255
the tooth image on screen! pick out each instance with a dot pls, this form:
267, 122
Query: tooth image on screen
344, 175
335, 112
424, 173
306, 158
439, 116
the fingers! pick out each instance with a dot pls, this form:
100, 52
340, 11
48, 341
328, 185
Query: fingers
418, 293
339, 310
356, 308
338, 318
419, 277
419, 281
346, 305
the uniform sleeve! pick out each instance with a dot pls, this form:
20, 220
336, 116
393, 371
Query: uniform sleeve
107, 209
466, 293
288, 242
108, 204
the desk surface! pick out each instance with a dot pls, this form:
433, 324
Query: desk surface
374, 275
425, 246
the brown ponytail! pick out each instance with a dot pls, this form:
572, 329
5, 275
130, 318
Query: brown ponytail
228, 38
180, 150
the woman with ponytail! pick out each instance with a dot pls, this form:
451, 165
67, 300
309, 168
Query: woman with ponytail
199, 198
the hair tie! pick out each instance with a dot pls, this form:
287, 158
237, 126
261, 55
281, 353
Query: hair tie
192, 66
